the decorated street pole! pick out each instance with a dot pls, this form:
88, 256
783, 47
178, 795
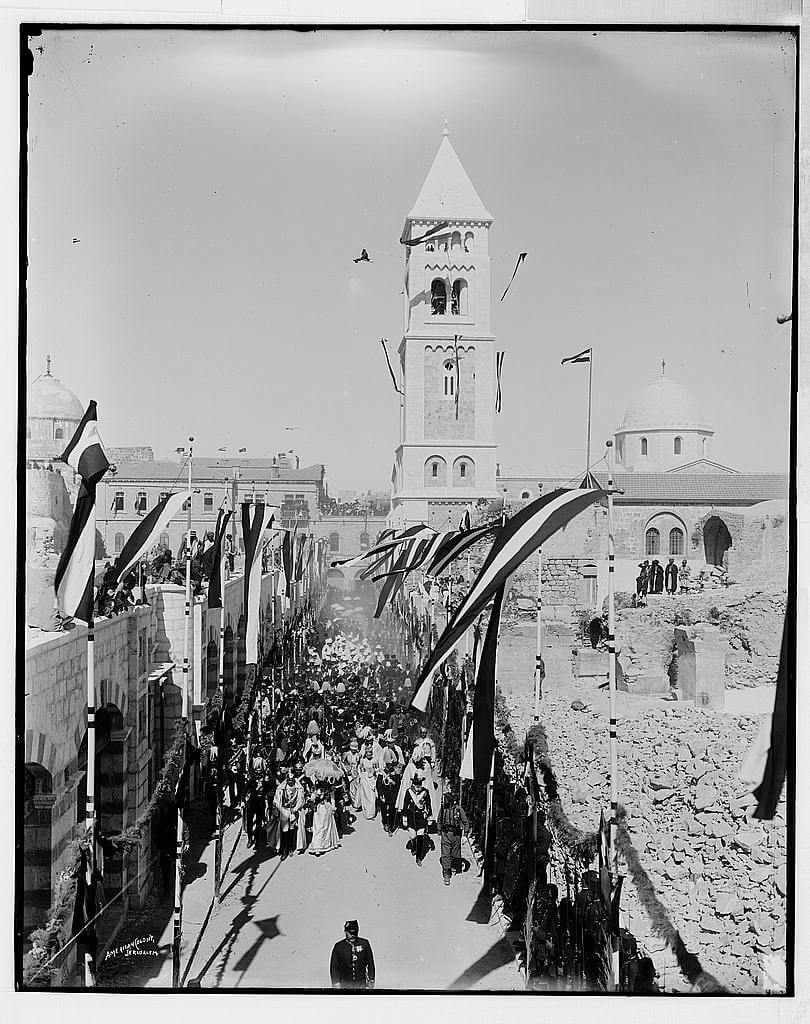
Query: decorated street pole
186, 717
90, 798
538, 654
614, 743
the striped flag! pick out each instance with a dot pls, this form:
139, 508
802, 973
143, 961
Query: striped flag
458, 371
73, 581
253, 532
521, 257
581, 357
287, 560
393, 583
523, 534
393, 540
146, 533
480, 744
456, 544
465, 523
85, 453
433, 231
218, 560
498, 370
422, 551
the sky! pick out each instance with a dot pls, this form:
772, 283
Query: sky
219, 184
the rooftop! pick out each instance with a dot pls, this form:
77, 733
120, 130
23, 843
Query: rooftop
663, 403
448, 193
169, 471
48, 398
669, 488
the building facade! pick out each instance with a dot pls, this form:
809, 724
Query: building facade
446, 454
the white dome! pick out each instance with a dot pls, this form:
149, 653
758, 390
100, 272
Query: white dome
663, 403
49, 398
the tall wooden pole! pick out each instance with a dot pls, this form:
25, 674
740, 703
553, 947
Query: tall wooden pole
614, 742
187, 706
590, 381
220, 735
538, 654
90, 798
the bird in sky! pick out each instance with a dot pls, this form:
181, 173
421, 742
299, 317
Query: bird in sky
363, 257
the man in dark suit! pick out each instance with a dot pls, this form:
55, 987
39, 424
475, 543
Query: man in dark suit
352, 962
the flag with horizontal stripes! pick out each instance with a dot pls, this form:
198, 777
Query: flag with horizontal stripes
394, 581
218, 559
393, 540
253, 530
523, 534
433, 231
581, 357
73, 582
456, 544
85, 454
421, 552
383, 564
147, 532
480, 744
498, 370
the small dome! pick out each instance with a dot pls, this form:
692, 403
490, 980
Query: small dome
663, 403
49, 398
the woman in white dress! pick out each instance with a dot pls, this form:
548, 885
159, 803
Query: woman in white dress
351, 762
324, 830
368, 783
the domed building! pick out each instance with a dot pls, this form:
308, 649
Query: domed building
54, 413
663, 429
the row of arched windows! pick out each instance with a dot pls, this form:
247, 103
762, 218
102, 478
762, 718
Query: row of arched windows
436, 472
652, 541
459, 303
677, 446
441, 245
119, 542
334, 541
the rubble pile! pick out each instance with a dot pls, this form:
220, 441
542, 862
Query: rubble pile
720, 873
749, 616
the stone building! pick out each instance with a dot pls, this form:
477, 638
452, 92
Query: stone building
347, 536
446, 454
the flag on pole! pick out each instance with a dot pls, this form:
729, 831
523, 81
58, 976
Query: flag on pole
146, 533
218, 560
526, 531
397, 388
393, 583
480, 743
458, 370
581, 357
84, 909
456, 544
85, 453
393, 540
419, 553
498, 369
253, 532
520, 259
287, 560
74, 578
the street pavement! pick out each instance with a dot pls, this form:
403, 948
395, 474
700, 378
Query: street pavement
278, 921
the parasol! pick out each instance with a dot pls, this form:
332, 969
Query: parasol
323, 770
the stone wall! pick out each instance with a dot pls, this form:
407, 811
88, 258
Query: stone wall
440, 409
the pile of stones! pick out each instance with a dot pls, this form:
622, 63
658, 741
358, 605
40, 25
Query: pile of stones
720, 873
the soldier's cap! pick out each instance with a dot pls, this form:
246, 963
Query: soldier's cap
352, 927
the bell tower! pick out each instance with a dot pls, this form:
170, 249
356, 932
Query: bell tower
446, 454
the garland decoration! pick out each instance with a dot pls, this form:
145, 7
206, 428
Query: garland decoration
688, 963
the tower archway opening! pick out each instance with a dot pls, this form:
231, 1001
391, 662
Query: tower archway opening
716, 541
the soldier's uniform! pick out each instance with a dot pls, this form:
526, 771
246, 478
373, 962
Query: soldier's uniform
352, 963
452, 822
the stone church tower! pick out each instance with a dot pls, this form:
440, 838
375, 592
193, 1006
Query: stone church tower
446, 454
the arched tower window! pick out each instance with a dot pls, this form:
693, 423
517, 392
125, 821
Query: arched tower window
164, 540
644, 446
449, 389
438, 297
677, 446
460, 297
119, 543
455, 242
652, 542
58, 433
525, 494
464, 472
334, 542
435, 472
469, 241
676, 541
703, 447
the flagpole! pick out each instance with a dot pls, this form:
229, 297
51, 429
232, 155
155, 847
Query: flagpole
590, 381
186, 715
538, 654
221, 689
614, 752
90, 798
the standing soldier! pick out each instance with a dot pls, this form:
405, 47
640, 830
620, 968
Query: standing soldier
452, 822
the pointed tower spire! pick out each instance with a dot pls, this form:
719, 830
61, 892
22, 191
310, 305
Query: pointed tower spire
448, 193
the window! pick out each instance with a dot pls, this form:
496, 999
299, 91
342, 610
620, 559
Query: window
118, 501
459, 298
164, 494
438, 297
455, 240
164, 540
644, 446
434, 470
430, 246
140, 501
462, 469
59, 433
364, 541
703, 446
299, 497
525, 494
676, 541
652, 545
334, 542
677, 446
449, 379
119, 543
468, 242
208, 502
464, 472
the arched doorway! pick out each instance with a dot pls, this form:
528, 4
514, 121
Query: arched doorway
716, 540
